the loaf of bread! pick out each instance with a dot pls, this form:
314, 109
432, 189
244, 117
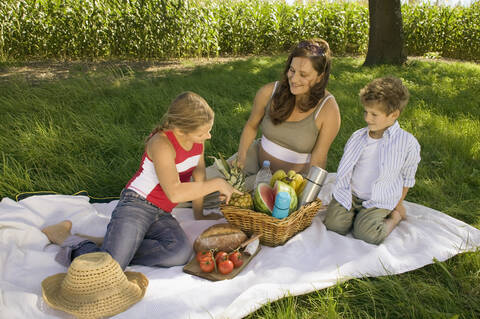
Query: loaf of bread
224, 237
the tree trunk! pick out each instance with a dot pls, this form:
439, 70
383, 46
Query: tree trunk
386, 40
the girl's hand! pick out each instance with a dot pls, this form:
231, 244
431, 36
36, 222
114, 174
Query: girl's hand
226, 190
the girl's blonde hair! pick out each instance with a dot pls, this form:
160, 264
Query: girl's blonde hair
188, 112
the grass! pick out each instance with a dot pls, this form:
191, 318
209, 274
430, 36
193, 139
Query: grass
86, 131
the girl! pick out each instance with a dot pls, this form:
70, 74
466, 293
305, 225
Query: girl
141, 230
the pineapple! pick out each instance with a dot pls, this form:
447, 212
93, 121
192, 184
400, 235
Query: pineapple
242, 201
232, 173
235, 177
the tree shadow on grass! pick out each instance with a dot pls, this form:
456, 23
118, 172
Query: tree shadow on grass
86, 131
447, 88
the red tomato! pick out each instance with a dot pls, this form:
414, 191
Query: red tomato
202, 254
236, 258
225, 266
220, 256
207, 264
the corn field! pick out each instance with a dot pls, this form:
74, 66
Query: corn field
160, 29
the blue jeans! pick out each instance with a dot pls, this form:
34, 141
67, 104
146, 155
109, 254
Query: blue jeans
139, 233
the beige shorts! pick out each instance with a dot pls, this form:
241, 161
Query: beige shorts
367, 224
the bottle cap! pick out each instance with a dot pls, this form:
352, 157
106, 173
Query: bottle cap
282, 200
317, 175
266, 163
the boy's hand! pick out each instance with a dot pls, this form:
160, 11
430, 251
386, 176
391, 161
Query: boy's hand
401, 210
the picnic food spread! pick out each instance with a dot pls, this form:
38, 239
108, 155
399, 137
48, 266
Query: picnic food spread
219, 264
224, 236
292, 178
255, 215
235, 177
264, 194
264, 197
291, 183
275, 222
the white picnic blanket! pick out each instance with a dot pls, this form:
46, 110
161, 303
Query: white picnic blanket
312, 260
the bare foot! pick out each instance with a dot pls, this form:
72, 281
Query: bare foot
59, 232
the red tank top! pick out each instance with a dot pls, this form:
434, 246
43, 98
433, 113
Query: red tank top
145, 181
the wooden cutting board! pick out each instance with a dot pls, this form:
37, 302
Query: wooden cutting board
193, 268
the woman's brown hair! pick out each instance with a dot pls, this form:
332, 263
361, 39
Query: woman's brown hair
318, 51
187, 112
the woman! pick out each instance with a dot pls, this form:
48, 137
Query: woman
298, 117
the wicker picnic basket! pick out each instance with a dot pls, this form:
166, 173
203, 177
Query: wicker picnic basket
274, 232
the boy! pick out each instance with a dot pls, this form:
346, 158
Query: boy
377, 168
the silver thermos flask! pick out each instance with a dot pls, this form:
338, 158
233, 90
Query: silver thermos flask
315, 178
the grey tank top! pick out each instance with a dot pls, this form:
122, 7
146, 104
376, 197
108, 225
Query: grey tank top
299, 136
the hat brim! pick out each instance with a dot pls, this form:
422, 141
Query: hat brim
100, 307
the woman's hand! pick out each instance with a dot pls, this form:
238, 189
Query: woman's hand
239, 161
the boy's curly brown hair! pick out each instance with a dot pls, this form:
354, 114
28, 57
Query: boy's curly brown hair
389, 91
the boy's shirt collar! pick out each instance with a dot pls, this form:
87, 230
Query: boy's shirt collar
389, 132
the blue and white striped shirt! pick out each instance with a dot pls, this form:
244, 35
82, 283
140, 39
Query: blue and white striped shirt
399, 155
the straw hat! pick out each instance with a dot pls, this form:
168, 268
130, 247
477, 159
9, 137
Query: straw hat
94, 286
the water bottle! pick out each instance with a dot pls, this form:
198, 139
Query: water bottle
282, 205
264, 175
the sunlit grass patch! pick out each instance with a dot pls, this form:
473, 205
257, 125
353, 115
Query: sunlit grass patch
87, 132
